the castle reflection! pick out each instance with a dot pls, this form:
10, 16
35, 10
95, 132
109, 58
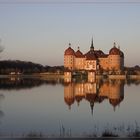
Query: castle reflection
94, 92
77, 91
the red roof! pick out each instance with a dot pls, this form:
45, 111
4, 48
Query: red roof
79, 54
114, 51
69, 51
100, 54
90, 55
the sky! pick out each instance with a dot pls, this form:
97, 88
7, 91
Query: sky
40, 31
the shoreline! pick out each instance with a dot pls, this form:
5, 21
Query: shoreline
61, 76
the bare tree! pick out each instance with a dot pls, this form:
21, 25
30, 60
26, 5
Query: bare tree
1, 47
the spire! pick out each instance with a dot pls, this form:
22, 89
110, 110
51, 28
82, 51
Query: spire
92, 47
78, 48
69, 44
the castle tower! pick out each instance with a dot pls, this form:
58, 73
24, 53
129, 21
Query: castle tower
69, 56
114, 59
79, 60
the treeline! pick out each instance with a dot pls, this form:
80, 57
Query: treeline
132, 70
24, 67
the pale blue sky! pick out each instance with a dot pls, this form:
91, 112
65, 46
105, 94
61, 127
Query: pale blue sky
41, 32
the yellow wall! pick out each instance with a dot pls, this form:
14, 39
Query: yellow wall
112, 62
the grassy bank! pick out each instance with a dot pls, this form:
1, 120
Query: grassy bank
122, 131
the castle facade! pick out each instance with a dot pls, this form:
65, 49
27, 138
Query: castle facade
94, 60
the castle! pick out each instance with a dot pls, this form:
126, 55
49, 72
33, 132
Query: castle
94, 60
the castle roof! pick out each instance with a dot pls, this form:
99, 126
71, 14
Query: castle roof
114, 50
69, 51
79, 54
90, 55
121, 54
93, 54
100, 54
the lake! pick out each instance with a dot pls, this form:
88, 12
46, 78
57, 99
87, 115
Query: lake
79, 108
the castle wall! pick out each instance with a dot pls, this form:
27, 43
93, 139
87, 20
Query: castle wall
122, 63
79, 63
104, 63
114, 62
69, 61
90, 64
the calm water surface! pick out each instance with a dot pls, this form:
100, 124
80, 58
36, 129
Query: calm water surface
79, 108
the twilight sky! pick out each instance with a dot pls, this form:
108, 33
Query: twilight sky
40, 31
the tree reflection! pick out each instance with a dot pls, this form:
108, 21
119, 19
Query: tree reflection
23, 83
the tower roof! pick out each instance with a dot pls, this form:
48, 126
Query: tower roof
69, 51
79, 54
90, 55
114, 50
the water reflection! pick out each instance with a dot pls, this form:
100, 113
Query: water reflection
27, 110
1, 112
95, 92
77, 90
23, 83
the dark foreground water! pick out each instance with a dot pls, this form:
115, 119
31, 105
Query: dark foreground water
55, 108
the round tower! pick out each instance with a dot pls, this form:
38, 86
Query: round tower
114, 59
69, 56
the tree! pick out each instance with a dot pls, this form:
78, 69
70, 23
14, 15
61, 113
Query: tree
1, 47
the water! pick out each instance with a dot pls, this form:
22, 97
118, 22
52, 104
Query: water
54, 107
